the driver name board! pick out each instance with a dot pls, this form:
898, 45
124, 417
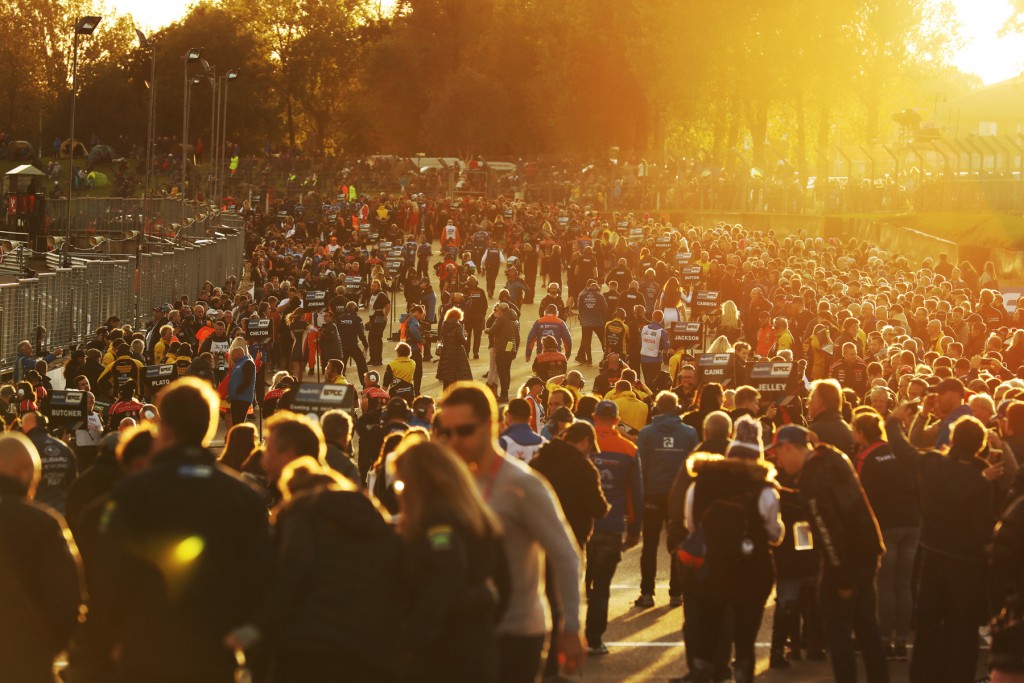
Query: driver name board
314, 300
313, 400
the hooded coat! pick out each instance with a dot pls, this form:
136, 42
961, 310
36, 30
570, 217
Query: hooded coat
454, 363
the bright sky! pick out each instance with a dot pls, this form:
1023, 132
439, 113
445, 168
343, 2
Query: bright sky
984, 53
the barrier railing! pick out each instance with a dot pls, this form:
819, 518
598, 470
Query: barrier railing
71, 302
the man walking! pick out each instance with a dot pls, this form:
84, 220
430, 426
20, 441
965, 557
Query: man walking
663, 447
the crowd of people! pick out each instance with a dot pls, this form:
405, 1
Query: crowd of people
815, 419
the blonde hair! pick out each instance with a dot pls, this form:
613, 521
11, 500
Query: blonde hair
454, 313
720, 345
433, 478
730, 314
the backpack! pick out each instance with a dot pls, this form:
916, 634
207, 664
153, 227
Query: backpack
720, 547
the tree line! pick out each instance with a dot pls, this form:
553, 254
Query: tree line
786, 79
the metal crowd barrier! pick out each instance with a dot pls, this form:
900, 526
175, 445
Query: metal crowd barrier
71, 302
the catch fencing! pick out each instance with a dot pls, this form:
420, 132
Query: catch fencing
113, 216
70, 302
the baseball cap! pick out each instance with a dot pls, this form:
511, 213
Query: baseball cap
794, 434
606, 409
518, 407
534, 381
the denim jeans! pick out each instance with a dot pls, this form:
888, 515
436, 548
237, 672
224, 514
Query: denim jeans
895, 579
603, 554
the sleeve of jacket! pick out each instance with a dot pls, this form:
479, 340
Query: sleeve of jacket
531, 338
598, 505
62, 576
829, 531
676, 531
563, 331
296, 558
636, 494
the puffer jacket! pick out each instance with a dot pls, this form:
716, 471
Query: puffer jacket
454, 363
504, 330
663, 447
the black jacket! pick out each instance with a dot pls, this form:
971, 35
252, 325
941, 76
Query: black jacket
1006, 583
350, 327
448, 635
336, 587
833, 430
330, 343
169, 608
577, 485
734, 573
60, 468
454, 361
888, 480
846, 535
957, 502
95, 482
40, 593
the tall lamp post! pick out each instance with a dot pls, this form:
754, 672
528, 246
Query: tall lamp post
231, 75
191, 57
83, 27
146, 44
211, 77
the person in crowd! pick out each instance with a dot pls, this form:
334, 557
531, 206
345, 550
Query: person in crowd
518, 439
531, 519
333, 548
504, 334
58, 465
593, 313
461, 584
164, 616
849, 544
337, 427
889, 482
734, 503
663, 447
238, 444
40, 590
453, 349
619, 531
549, 325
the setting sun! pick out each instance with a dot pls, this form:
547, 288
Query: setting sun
984, 52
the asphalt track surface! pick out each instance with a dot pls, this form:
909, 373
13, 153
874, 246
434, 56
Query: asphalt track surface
644, 644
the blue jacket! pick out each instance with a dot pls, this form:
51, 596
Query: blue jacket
663, 447
943, 437
521, 442
650, 289
549, 326
23, 364
517, 290
412, 332
241, 388
621, 482
429, 301
592, 307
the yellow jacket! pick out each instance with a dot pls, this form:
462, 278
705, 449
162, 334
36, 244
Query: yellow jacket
632, 411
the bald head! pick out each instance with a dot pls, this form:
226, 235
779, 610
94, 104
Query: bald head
19, 460
29, 421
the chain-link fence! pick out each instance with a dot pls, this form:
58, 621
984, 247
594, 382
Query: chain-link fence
71, 302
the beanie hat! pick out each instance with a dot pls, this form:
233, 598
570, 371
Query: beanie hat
746, 442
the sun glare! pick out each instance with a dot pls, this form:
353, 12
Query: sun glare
992, 57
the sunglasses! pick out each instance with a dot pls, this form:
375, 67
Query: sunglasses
461, 430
